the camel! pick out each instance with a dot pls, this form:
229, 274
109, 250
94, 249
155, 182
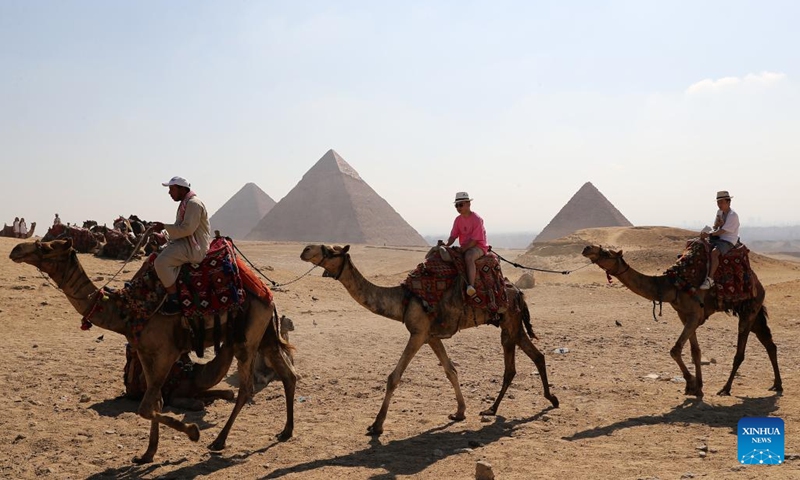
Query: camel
392, 303
162, 340
8, 231
693, 312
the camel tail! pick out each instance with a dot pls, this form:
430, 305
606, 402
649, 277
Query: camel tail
526, 315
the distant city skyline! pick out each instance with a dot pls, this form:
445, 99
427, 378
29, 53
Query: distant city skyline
658, 104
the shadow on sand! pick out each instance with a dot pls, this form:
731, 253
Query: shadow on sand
692, 411
408, 456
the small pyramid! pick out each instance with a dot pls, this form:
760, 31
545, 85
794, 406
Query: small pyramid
332, 204
588, 208
242, 212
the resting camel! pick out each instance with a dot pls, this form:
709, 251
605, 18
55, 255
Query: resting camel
8, 231
162, 341
391, 303
752, 316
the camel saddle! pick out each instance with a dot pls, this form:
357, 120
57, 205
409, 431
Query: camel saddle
734, 281
207, 292
432, 278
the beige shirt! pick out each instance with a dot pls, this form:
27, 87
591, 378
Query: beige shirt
194, 231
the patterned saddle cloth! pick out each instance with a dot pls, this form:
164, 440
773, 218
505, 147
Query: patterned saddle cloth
83, 240
213, 287
435, 276
734, 280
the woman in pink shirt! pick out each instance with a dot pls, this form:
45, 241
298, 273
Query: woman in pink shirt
468, 229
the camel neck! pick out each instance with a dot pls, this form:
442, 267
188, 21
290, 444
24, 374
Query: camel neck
384, 301
654, 288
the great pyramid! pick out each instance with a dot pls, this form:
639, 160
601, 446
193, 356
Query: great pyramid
242, 212
588, 208
332, 204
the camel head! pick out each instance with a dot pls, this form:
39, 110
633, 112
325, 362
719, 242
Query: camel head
609, 260
38, 253
332, 259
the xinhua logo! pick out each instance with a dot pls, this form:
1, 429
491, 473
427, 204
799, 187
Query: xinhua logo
761, 441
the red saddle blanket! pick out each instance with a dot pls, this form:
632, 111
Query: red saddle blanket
432, 278
734, 280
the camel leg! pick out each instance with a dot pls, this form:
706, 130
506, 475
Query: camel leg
696, 359
509, 372
281, 364
150, 407
245, 370
416, 341
761, 329
689, 327
531, 351
450, 370
745, 322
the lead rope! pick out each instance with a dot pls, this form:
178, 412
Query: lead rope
274, 283
562, 272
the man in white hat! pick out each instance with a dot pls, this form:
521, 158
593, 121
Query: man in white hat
189, 238
723, 237
469, 230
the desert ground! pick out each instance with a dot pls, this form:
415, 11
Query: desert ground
61, 415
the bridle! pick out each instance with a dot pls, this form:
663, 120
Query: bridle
621, 266
327, 256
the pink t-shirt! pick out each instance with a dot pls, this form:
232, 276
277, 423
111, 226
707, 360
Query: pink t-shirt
470, 228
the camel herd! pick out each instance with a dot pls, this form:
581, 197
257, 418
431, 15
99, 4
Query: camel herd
256, 332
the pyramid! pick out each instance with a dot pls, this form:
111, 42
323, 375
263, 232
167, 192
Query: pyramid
332, 204
242, 212
588, 208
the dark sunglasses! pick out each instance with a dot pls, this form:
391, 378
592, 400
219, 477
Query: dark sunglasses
460, 204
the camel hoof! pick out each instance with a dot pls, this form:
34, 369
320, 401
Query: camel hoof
489, 412
193, 432
374, 430
554, 400
776, 388
283, 436
724, 393
142, 460
456, 417
217, 446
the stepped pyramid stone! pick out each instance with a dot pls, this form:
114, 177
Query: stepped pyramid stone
332, 204
242, 212
588, 208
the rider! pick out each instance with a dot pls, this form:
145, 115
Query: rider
189, 239
723, 236
469, 230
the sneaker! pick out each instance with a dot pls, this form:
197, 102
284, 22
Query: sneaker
171, 307
707, 284
471, 290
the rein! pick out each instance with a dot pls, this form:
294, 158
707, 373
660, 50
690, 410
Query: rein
326, 256
562, 272
274, 283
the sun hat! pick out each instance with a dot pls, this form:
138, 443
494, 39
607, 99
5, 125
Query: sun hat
462, 197
179, 181
723, 195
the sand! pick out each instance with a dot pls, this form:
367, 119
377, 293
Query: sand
61, 415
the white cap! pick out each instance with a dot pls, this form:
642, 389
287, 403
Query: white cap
179, 181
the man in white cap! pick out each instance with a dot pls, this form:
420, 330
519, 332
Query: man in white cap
189, 238
469, 230
723, 237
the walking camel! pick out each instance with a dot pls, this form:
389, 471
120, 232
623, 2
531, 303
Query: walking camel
162, 340
391, 303
693, 312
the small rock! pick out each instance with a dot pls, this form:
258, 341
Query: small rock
99, 279
44, 304
561, 350
678, 380
84, 398
652, 376
702, 454
19, 438
688, 475
99, 339
314, 298
703, 448
483, 471
617, 323
463, 450
110, 432
301, 399
485, 419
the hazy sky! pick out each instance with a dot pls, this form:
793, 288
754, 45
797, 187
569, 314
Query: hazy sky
658, 103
